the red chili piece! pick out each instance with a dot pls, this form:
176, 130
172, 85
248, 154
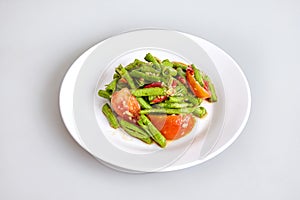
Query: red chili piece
154, 84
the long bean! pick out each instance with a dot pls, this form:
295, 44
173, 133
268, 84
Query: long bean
211, 87
135, 131
155, 134
124, 73
200, 112
112, 120
174, 105
111, 87
104, 94
145, 76
198, 75
134, 64
180, 65
143, 103
168, 110
154, 91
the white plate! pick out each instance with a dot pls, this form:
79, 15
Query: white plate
80, 106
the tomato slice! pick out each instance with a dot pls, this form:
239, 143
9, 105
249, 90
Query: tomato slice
173, 126
125, 104
196, 88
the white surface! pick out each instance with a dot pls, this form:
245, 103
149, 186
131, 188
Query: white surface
39, 41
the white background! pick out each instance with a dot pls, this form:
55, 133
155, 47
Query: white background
39, 40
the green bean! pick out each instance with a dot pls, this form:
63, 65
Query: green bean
146, 76
167, 63
174, 105
155, 91
168, 110
134, 64
181, 74
211, 87
154, 61
135, 131
116, 75
111, 87
194, 100
168, 71
143, 103
147, 68
140, 82
150, 58
112, 120
200, 112
198, 75
124, 73
180, 90
176, 99
155, 134
104, 94
180, 65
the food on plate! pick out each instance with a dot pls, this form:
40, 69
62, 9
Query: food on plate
156, 101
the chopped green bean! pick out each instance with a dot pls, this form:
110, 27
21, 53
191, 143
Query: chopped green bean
166, 71
211, 87
155, 91
200, 112
198, 75
174, 105
145, 76
124, 73
180, 65
135, 131
134, 64
143, 103
168, 110
176, 99
112, 120
111, 87
155, 134
194, 100
167, 63
151, 58
104, 94
147, 68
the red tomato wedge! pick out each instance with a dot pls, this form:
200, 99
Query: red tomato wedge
173, 126
125, 104
196, 88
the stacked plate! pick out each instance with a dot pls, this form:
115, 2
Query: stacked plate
81, 107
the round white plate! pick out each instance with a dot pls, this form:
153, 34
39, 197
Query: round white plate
81, 108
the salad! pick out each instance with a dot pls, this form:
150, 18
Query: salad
156, 101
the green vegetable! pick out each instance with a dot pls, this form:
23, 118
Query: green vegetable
135, 131
200, 112
104, 94
176, 99
174, 105
155, 91
134, 64
123, 73
179, 65
198, 75
167, 63
155, 134
113, 121
194, 100
168, 110
143, 103
152, 59
149, 76
211, 87
111, 87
